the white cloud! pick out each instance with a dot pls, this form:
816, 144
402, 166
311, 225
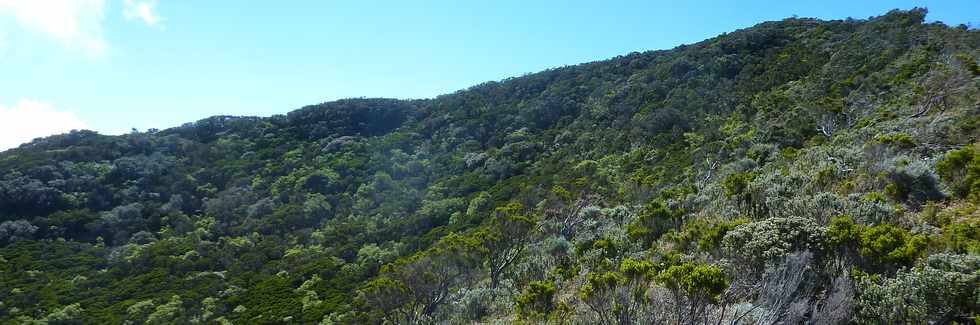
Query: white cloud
75, 23
29, 119
142, 10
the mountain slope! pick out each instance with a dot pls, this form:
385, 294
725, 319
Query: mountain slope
799, 170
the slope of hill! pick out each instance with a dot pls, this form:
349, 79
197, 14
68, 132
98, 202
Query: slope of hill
799, 170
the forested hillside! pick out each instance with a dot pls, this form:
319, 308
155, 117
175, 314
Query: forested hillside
798, 171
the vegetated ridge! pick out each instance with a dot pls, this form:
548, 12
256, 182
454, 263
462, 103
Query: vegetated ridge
798, 171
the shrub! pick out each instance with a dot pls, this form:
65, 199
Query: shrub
942, 291
789, 153
537, 300
773, 238
695, 280
11, 231
694, 287
883, 244
825, 176
900, 140
768, 194
621, 297
913, 183
960, 169
969, 62
600, 294
889, 244
842, 230
705, 235
68, 315
736, 184
963, 237
653, 221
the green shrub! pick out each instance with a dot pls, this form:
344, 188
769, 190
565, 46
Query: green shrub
789, 153
705, 235
825, 176
695, 281
889, 244
900, 140
736, 183
875, 197
843, 231
882, 244
537, 300
654, 221
600, 284
963, 237
960, 169
969, 62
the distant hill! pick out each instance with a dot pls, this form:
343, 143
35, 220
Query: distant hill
798, 171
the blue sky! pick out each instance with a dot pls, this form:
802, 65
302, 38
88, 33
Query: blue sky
112, 65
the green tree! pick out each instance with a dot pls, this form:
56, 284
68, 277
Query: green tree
422, 283
694, 287
506, 239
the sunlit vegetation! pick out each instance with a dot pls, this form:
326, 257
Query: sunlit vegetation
801, 171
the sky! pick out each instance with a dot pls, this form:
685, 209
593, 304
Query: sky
114, 65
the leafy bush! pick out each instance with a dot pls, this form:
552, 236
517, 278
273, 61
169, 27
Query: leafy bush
883, 244
620, 296
695, 281
890, 244
961, 170
694, 287
654, 221
537, 300
963, 236
899, 140
842, 231
736, 184
759, 242
941, 291
67, 315
706, 236
373, 211
913, 182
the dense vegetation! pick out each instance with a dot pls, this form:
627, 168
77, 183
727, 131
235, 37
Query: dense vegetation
796, 171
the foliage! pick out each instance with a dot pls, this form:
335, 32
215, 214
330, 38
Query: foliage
704, 236
653, 221
900, 140
695, 281
736, 186
759, 242
537, 300
964, 236
941, 291
700, 184
913, 183
697, 285
506, 239
883, 244
961, 169
891, 244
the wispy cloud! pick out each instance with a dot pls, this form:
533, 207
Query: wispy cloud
29, 119
144, 11
75, 23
